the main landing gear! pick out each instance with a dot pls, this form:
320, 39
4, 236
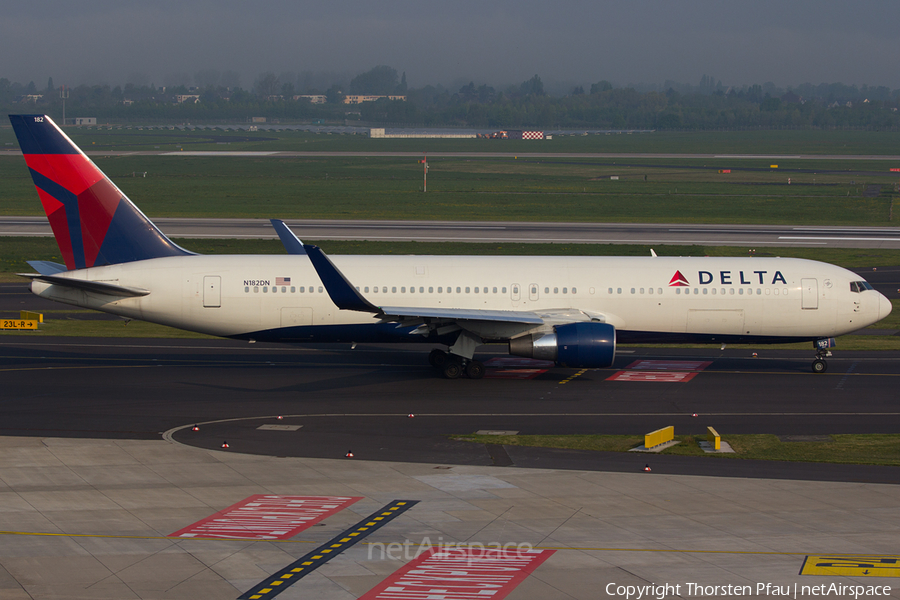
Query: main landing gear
452, 366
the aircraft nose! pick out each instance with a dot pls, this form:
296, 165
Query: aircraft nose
884, 306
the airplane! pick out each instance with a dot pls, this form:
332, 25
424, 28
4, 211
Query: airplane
571, 310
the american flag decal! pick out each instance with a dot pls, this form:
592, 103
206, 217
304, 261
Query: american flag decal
282, 281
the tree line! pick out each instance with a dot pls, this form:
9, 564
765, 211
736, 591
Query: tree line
671, 106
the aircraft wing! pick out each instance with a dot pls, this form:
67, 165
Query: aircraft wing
486, 323
290, 241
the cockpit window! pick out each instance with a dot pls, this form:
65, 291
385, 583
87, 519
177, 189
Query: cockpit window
860, 286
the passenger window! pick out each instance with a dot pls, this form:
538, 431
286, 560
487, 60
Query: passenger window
565, 290
642, 290
705, 291
495, 290
713, 291
651, 291
618, 290
610, 290
574, 291
247, 289
255, 290
731, 291
476, 289
430, 290
678, 291
503, 290
412, 290
374, 289
546, 290
394, 289
741, 292
366, 289
321, 289
467, 289
632, 290
555, 290
458, 290
659, 291
265, 289
293, 289
403, 289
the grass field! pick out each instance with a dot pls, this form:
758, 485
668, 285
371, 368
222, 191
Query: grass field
872, 449
781, 142
488, 189
527, 188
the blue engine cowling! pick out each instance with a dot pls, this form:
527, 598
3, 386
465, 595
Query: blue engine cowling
580, 345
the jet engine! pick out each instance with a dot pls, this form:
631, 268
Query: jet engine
581, 345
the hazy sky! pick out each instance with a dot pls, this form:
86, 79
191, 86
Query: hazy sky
496, 42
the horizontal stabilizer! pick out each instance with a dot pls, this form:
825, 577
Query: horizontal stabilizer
98, 287
290, 241
46, 267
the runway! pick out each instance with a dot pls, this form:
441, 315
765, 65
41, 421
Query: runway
750, 236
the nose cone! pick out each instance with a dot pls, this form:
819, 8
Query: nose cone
884, 306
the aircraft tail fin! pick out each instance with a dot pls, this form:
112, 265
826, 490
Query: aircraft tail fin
94, 223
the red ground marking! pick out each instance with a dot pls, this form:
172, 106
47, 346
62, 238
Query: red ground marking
659, 376
466, 573
669, 365
512, 362
513, 373
515, 367
266, 517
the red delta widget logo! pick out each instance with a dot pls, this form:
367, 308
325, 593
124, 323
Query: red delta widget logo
727, 278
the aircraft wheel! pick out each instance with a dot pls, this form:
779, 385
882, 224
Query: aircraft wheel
819, 366
475, 369
437, 358
452, 369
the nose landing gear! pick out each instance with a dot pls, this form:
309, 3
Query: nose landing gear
822, 352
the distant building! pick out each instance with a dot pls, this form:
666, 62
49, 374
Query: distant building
359, 98
85, 120
257, 119
33, 98
187, 98
313, 98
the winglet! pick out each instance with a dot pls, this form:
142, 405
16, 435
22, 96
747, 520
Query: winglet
339, 288
290, 241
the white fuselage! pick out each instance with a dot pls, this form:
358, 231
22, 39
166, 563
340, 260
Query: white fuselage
767, 299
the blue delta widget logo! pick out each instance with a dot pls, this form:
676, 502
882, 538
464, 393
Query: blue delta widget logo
725, 278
